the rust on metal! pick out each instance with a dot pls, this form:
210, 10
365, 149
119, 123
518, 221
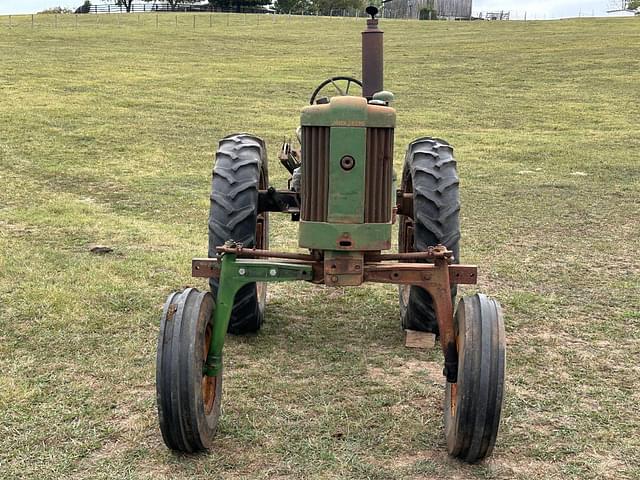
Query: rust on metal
343, 269
339, 269
378, 175
205, 268
404, 203
171, 312
208, 382
315, 174
399, 273
436, 281
372, 59
430, 254
242, 252
418, 273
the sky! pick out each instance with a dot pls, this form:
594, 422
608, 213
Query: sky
540, 9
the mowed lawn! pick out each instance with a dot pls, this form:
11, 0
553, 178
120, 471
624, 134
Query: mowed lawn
107, 135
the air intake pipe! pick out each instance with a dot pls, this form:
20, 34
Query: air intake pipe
372, 61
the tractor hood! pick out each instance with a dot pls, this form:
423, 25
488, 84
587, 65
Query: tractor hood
348, 111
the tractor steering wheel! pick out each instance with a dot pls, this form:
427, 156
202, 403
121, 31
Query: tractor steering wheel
333, 81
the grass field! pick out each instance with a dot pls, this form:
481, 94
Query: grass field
107, 134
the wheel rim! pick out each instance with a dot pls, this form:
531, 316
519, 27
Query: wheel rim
208, 383
454, 386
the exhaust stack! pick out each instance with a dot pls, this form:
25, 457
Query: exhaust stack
372, 58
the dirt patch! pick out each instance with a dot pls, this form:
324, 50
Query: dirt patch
409, 370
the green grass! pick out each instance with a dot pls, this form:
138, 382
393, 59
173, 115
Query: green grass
107, 134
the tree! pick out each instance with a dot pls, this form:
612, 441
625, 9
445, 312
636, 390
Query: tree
292, 6
238, 5
125, 3
326, 7
85, 8
633, 5
56, 10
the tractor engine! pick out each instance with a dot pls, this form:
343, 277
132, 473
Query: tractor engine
347, 190
347, 175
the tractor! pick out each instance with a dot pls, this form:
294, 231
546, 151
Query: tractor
343, 193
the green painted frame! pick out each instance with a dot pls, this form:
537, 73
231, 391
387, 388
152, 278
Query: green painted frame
234, 274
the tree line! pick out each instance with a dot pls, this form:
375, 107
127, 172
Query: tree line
322, 7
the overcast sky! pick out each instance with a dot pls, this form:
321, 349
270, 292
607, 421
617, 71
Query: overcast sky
540, 9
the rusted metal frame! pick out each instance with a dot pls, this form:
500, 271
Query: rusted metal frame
272, 200
430, 254
242, 252
436, 280
343, 268
210, 267
458, 274
404, 203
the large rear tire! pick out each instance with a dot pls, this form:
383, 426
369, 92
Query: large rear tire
430, 174
472, 406
240, 170
188, 400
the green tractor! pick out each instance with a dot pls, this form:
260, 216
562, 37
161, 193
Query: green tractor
343, 194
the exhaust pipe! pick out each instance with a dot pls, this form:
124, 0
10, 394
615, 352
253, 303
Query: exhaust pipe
372, 59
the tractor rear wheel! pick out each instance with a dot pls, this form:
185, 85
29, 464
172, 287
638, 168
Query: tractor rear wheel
188, 400
430, 174
472, 406
240, 170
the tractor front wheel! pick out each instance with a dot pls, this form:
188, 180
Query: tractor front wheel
188, 400
472, 406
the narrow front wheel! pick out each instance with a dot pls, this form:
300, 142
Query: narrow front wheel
472, 406
188, 400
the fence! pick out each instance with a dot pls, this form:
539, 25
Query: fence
162, 20
164, 8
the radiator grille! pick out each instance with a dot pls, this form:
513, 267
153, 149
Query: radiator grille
315, 174
379, 175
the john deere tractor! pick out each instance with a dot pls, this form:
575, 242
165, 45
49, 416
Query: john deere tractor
343, 194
